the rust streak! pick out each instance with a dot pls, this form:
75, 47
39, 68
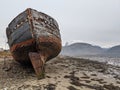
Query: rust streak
25, 43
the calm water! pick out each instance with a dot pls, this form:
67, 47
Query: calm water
107, 59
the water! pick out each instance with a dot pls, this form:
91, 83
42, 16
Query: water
106, 59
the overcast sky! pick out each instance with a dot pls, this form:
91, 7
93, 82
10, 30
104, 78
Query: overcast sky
93, 21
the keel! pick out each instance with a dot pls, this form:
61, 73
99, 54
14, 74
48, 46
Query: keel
38, 64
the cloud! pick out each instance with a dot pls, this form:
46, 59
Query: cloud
94, 21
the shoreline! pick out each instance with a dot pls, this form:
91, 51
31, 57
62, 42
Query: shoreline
62, 73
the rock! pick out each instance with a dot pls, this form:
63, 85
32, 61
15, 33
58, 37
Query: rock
72, 88
50, 87
111, 87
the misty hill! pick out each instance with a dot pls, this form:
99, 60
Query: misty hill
78, 49
113, 51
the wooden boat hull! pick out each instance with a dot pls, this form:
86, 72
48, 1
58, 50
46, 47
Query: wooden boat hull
20, 51
33, 32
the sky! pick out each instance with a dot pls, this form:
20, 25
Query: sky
92, 21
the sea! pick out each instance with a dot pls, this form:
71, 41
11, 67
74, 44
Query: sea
113, 60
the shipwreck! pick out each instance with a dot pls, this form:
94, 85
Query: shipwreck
34, 38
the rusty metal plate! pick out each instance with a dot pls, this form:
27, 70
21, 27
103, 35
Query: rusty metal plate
37, 63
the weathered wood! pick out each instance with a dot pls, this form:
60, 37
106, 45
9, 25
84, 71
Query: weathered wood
33, 31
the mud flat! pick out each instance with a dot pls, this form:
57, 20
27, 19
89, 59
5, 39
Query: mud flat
62, 73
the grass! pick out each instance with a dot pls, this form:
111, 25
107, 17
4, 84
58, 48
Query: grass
5, 53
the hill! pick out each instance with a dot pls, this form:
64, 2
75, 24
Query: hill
83, 49
113, 51
78, 49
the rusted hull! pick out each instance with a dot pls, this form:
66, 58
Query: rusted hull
50, 47
20, 51
32, 31
34, 37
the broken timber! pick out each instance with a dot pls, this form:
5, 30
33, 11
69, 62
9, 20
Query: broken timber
34, 37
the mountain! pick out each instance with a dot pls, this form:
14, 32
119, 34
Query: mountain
113, 51
83, 49
78, 49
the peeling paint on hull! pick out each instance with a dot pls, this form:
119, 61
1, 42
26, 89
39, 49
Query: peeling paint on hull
33, 31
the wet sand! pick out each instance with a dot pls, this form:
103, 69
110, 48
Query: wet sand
62, 73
